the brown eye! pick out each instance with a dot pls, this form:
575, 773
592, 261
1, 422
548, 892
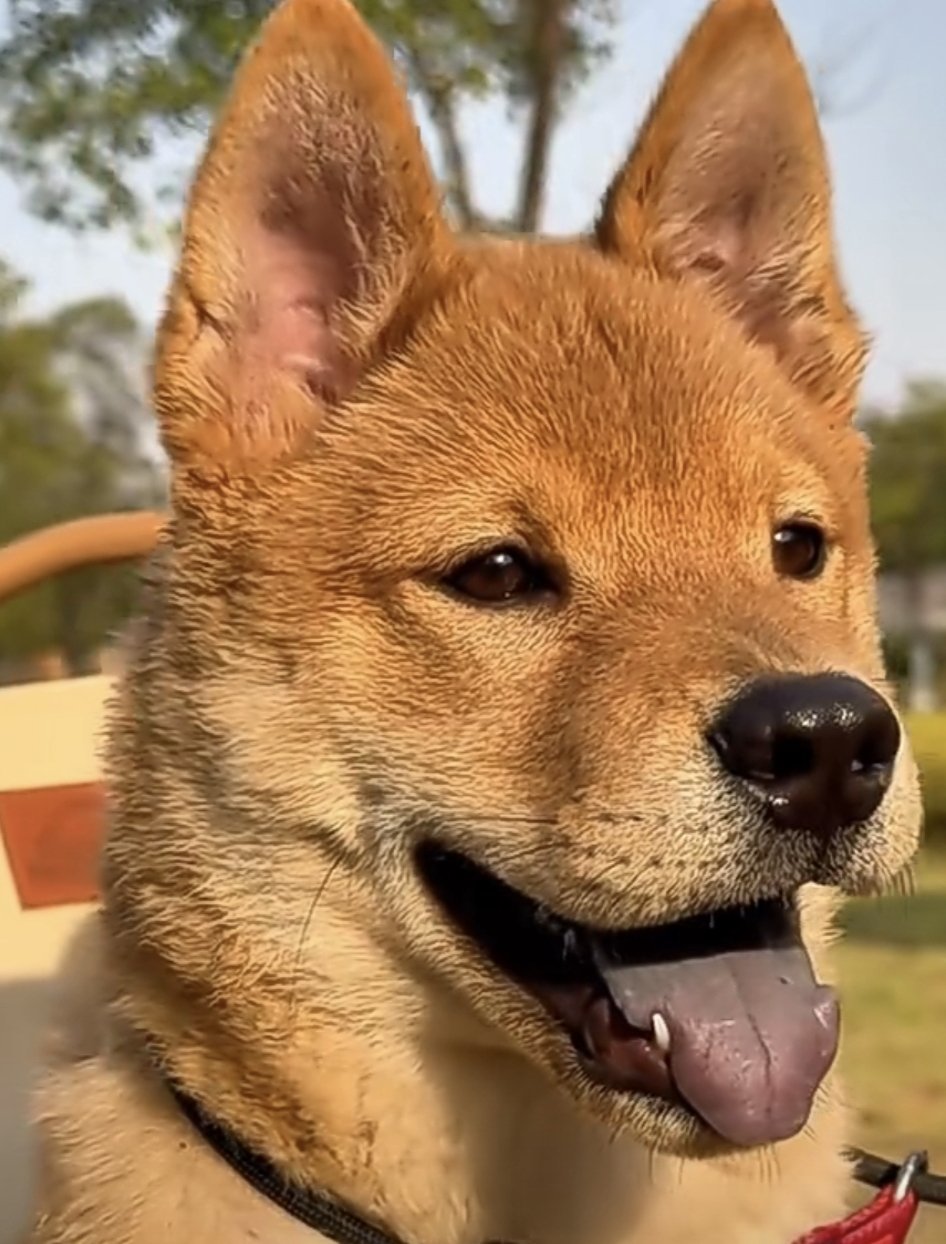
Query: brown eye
499, 577
799, 550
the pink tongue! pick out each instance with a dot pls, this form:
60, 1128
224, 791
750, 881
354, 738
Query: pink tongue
752, 1035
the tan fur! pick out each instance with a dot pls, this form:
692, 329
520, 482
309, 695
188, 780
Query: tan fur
352, 398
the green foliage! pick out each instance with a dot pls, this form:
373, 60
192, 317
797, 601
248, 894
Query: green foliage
91, 88
928, 736
71, 419
908, 480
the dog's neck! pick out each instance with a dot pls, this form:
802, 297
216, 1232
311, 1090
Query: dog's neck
306, 1033
448, 1141
405, 1117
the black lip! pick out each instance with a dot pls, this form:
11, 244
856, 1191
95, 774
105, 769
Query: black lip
539, 948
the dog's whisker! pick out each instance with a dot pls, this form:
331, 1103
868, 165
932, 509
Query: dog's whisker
903, 883
775, 1164
504, 818
527, 851
591, 814
297, 974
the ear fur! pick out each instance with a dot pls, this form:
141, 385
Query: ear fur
312, 224
728, 184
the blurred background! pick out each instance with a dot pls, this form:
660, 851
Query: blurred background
527, 106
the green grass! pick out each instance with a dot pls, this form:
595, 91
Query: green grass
928, 735
893, 981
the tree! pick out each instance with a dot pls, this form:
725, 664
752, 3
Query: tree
71, 443
908, 501
90, 90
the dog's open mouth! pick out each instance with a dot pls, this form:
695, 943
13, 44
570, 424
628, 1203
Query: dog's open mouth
718, 1013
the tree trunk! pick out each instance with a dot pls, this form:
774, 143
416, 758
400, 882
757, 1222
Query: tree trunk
441, 104
547, 20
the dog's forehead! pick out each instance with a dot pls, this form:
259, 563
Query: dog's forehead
621, 422
561, 372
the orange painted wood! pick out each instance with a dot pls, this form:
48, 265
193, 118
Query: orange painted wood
52, 838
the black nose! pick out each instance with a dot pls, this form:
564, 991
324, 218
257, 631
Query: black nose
820, 749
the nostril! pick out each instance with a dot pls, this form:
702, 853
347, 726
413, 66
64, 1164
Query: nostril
879, 745
745, 753
768, 756
792, 757
881, 740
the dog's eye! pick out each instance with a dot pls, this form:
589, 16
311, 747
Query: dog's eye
499, 577
799, 550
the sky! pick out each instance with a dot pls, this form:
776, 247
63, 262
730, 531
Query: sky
886, 136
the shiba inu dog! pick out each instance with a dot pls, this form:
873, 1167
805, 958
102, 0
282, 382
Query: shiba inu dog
507, 709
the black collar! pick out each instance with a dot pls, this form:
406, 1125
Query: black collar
313, 1209
343, 1226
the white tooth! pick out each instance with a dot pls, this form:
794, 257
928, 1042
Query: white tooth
661, 1033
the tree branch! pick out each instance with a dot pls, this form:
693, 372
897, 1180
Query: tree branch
438, 95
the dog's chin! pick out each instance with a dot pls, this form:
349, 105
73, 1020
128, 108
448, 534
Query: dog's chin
704, 1036
657, 1125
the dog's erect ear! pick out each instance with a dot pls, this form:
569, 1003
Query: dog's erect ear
728, 183
313, 222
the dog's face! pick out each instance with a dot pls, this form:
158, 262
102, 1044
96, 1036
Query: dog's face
536, 577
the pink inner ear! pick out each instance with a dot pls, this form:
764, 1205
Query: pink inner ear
714, 248
723, 244
294, 290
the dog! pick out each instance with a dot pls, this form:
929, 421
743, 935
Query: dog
506, 713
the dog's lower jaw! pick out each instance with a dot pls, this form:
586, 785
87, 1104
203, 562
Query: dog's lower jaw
441, 1141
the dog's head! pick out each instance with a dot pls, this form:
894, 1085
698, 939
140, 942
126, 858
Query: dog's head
532, 582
